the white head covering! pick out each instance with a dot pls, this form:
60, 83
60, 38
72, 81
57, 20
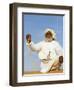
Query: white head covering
50, 30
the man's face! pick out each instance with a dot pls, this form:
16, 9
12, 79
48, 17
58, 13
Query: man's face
48, 36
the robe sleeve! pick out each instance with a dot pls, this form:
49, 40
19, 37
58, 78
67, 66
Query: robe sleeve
34, 47
58, 49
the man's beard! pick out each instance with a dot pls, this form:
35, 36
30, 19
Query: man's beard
48, 39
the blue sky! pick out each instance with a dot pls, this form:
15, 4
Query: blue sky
36, 25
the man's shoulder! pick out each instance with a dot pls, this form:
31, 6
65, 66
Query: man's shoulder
55, 42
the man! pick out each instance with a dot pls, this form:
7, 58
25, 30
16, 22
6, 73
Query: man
49, 51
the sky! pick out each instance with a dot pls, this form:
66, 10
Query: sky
35, 24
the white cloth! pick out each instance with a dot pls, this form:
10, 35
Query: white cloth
44, 49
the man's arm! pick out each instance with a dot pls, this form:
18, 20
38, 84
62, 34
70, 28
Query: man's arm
58, 49
59, 52
31, 45
34, 47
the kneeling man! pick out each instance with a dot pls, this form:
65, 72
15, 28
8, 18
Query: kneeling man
49, 51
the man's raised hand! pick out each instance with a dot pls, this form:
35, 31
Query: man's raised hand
28, 38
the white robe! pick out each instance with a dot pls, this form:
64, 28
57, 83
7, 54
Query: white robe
44, 48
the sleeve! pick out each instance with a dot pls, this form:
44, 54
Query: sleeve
58, 49
34, 47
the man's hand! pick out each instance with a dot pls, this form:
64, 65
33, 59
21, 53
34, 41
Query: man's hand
28, 38
48, 56
61, 59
